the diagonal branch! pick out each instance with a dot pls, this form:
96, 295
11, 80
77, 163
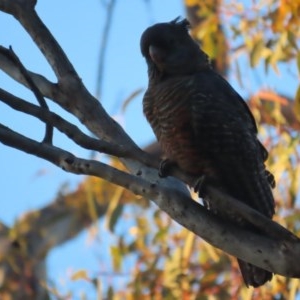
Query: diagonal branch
47, 88
273, 255
83, 105
24, 12
70, 130
269, 253
69, 83
230, 205
10, 54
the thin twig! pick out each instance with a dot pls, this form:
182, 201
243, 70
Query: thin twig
70, 130
103, 47
34, 88
48, 89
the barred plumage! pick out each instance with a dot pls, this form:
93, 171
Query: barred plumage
203, 125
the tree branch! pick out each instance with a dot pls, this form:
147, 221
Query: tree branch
47, 88
70, 130
269, 253
273, 255
263, 223
10, 54
69, 83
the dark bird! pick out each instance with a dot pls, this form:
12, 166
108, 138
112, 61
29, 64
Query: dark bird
203, 125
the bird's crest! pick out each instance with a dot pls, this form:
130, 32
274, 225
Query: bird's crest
184, 23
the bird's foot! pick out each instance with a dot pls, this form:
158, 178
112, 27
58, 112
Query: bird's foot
165, 167
199, 186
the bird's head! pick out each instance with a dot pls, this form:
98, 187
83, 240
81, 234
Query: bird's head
169, 49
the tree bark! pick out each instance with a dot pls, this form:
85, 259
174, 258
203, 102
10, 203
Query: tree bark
275, 251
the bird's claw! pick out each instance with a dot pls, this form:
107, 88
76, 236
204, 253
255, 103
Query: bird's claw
165, 167
199, 186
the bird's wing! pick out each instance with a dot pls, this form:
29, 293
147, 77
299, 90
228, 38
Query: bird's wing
225, 132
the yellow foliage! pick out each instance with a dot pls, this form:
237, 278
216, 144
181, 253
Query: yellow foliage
80, 275
172, 263
191, 2
286, 16
297, 103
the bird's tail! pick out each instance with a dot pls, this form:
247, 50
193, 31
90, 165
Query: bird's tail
253, 275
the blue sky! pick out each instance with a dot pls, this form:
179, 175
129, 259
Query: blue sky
30, 182
125, 71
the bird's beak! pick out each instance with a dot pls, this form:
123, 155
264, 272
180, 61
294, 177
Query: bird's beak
157, 54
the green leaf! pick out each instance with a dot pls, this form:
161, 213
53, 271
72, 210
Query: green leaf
292, 39
116, 257
115, 209
110, 293
298, 62
114, 217
256, 53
